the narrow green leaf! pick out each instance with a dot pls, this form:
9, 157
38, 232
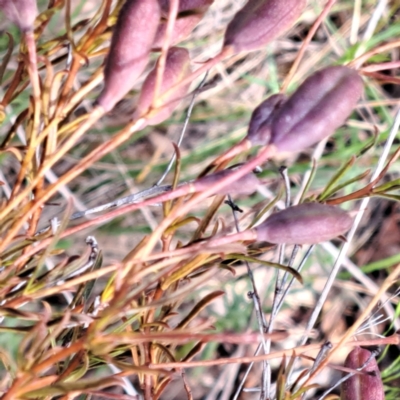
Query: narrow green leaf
348, 182
268, 264
335, 178
203, 303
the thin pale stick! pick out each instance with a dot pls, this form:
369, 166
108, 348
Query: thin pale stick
300, 350
278, 282
262, 324
131, 199
373, 22
185, 125
172, 14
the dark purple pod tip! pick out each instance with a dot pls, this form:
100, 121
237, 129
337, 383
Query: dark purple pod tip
261, 21
259, 132
366, 385
307, 223
21, 12
245, 185
316, 109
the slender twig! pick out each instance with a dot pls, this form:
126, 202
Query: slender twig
299, 269
394, 339
373, 21
278, 281
357, 62
355, 22
262, 324
246, 374
321, 355
33, 133
185, 125
172, 14
306, 42
131, 199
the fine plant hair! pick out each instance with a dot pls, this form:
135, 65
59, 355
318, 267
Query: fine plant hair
254, 148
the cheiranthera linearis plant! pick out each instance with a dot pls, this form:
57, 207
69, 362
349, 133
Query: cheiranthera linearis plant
114, 289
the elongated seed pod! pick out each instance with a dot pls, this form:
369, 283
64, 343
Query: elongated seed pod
245, 185
368, 384
316, 109
184, 25
259, 132
177, 67
307, 223
199, 6
130, 48
261, 21
21, 12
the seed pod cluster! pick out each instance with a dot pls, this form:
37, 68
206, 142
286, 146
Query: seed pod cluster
307, 223
131, 43
261, 21
21, 12
314, 111
177, 67
245, 185
190, 13
367, 385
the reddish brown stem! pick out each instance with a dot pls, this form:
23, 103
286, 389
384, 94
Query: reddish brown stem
13, 85
306, 42
238, 148
172, 14
394, 339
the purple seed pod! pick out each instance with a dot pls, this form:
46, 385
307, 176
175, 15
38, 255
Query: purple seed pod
184, 25
177, 67
197, 6
261, 21
368, 384
245, 185
259, 132
307, 223
316, 109
21, 12
130, 47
